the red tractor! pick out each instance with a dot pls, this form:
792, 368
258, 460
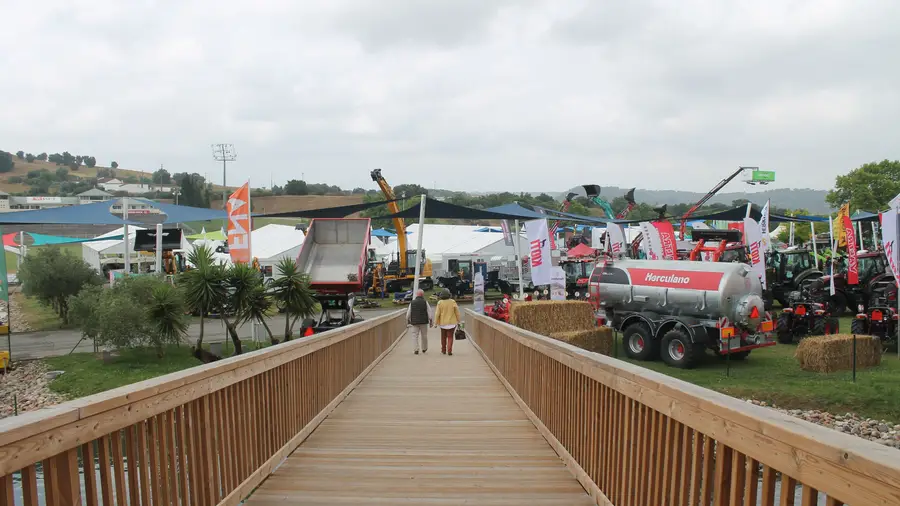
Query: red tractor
807, 314
499, 311
879, 317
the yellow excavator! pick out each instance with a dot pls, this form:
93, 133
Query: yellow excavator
400, 271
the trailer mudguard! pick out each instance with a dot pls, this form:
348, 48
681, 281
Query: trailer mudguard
692, 326
649, 318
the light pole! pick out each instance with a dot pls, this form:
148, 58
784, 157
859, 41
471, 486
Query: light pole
224, 153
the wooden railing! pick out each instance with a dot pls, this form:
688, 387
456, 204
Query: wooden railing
208, 435
634, 437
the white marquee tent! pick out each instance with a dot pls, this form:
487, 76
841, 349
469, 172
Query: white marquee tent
269, 243
440, 240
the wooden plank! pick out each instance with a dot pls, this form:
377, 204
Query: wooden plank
68, 478
809, 496
425, 429
167, 458
788, 486
30, 489
131, 454
118, 459
144, 462
738, 474
90, 475
181, 424
697, 470
768, 487
6, 491
106, 477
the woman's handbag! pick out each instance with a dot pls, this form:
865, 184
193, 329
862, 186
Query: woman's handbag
460, 333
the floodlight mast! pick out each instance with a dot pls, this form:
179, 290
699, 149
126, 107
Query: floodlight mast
708, 196
224, 153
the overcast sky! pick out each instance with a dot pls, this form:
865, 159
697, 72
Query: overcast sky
462, 94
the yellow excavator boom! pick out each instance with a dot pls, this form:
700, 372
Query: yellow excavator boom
399, 225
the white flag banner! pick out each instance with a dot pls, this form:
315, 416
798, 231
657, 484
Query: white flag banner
615, 237
478, 295
764, 226
889, 240
539, 252
753, 237
558, 284
652, 243
831, 254
596, 237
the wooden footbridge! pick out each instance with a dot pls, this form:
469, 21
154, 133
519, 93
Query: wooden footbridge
352, 416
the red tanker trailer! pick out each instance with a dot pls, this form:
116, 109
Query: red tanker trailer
677, 309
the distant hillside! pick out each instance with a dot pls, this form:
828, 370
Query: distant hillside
801, 198
23, 167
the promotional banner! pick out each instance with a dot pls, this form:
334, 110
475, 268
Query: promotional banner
843, 212
597, 237
652, 244
238, 232
551, 233
764, 226
737, 226
507, 233
539, 251
615, 238
666, 233
889, 240
4, 278
558, 284
478, 296
753, 239
852, 261
831, 256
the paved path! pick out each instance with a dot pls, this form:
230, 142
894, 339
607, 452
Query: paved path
60, 342
425, 429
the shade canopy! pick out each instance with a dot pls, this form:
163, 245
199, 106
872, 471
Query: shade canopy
582, 250
99, 214
436, 209
740, 212
380, 232
329, 212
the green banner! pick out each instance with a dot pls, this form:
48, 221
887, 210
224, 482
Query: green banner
4, 279
760, 176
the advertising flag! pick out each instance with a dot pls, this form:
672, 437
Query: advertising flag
753, 239
889, 240
844, 212
615, 238
764, 226
539, 251
831, 256
238, 231
478, 295
666, 234
558, 284
652, 243
852, 261
4, 278
507, 234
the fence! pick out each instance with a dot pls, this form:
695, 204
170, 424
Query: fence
633, 437
205, 436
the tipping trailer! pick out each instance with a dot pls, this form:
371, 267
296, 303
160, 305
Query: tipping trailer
334, 256
676, 309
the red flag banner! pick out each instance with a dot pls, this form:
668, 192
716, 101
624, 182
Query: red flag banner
852, 261
238, 208
667, 238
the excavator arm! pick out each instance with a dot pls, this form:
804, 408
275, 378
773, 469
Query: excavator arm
399, 225
706, 197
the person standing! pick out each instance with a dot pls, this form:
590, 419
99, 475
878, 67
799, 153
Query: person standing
446, 316
419, 316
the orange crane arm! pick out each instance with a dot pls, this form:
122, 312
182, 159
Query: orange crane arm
399, 225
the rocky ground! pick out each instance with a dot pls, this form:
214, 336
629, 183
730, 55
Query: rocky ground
26, 384
18, 319
879, 431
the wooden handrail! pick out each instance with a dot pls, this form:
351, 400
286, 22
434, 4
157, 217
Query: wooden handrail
204, 436
636, 437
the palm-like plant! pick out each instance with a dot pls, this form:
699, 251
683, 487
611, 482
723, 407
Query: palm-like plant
166, 316
204, 285
241, 283
292, 294
257, 305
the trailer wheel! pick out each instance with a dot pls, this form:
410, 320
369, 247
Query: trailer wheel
819, 326
858, 327
783, 329
639, 342
677, 350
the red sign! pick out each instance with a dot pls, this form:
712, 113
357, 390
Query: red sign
667, 238
666, 278
852, 261
737, 226
238, 208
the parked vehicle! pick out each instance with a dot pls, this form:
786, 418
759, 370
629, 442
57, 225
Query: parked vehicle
878, 317
677, 309
806, 314
789, 269
334, 255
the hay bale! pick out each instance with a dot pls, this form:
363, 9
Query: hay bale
598, 340
548, 316
835, 353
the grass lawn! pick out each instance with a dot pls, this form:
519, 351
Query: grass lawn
38, 316
773, 375
85, 374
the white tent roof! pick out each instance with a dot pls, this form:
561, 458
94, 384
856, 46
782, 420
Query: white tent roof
438, 240
272, 240
113, 245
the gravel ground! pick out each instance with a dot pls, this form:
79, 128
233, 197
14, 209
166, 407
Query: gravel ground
18, 319
879, 431
28, 384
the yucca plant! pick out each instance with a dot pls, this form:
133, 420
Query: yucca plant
165, 312
203, 286
292, 294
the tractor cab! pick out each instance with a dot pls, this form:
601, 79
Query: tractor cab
788, 270
718, 245
879, 317
578, 273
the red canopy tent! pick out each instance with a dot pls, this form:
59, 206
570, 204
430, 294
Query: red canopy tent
582, 250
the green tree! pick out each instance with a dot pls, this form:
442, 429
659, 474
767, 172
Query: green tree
296, 187
241, 282
67, 158
114, 164
52, 276
292, 294
194, 191
20, 155
6, 162
90, 161
42, 157
62, 173
29, 158
869, 187
15, 180
204, 289
161, 176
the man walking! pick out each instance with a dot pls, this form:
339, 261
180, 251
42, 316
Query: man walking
419, 316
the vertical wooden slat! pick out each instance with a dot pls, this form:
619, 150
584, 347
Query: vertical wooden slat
197, 478
751, 483
118, 465
646, 428
675, 462
181, 421
697, 469
90, 476
131, 454
768, 487
219, 456
50, 485
230, 440
153, 450
208, 457
788, 485
722, 480
6, 491
809, 497
68, 478
168, 460
831, 501
143, 463
106, 480
684, 465
29, 486
738, 474
629, 455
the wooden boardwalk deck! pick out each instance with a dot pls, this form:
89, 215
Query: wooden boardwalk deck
425, 429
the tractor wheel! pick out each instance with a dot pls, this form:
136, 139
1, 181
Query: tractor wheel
677, 350
832, 325
838, 303
426, 285
783, 329
818, 327
639, 342
858, 327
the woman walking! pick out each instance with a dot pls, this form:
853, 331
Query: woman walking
446, 316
